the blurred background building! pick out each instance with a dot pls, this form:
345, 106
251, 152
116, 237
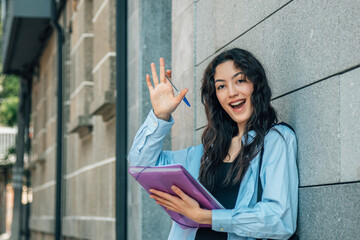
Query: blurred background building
96, 53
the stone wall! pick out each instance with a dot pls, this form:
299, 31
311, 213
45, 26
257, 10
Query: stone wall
90, 164
311, 53
149, 38
43, 143
89, 141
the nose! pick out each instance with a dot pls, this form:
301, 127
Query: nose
233, 91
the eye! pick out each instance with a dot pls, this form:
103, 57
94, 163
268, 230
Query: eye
220, 87
241, 80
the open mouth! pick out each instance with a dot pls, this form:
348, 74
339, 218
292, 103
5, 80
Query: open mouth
238, 104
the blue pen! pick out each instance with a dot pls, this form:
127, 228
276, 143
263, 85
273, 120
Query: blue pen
184, 99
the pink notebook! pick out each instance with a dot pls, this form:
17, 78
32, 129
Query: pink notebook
163, 177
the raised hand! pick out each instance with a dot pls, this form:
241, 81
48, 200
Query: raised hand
161, 94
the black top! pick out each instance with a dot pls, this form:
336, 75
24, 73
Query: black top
226, 196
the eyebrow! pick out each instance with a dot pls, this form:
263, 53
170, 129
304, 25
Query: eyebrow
234, 76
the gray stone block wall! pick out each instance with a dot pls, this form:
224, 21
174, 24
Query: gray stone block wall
149, 38
318, 136
329, 126
134, 191
43, 145
329, 212
311, 54
183, 58
349, 126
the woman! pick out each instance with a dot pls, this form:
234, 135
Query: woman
241, 128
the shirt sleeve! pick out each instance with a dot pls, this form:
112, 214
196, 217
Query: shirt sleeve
275, 215
146, 149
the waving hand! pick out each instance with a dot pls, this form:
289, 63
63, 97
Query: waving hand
161, 94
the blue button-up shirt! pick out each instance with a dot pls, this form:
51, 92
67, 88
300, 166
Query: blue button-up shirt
273, 217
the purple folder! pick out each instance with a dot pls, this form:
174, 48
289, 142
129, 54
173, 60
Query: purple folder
163, 177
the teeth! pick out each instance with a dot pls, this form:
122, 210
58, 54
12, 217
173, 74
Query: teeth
237, 103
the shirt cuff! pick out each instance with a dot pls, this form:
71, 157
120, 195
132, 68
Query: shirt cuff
222, 220
156, 126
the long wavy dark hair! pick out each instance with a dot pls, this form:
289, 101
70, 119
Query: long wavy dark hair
220, 130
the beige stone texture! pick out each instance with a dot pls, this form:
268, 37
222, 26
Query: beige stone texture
97, 5
112, 188
104, 77
51, 131
44, 122
104, 139
70, 197
104, 31
50, 164
72, 146
104, 88
85, 152
81, 67
81, 21
88, 229
51, 100
80, 102
41, 235
89, 161
91, 192
43, 205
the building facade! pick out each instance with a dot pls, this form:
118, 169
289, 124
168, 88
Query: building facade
311, 53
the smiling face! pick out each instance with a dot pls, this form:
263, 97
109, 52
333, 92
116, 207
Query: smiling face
233, 90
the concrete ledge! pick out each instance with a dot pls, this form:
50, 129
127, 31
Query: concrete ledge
82, 125
105, 106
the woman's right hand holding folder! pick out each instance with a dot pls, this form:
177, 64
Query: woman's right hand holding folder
162, 96
182, 204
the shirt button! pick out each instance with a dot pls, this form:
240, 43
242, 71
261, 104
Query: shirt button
155, 124
222, 229
248, 234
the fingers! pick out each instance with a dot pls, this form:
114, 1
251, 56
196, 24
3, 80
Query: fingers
181, 203
166, 203
148, 81
179, 192
162, 194
165, 199
181, 95
162, 70
154, 74
168, 73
